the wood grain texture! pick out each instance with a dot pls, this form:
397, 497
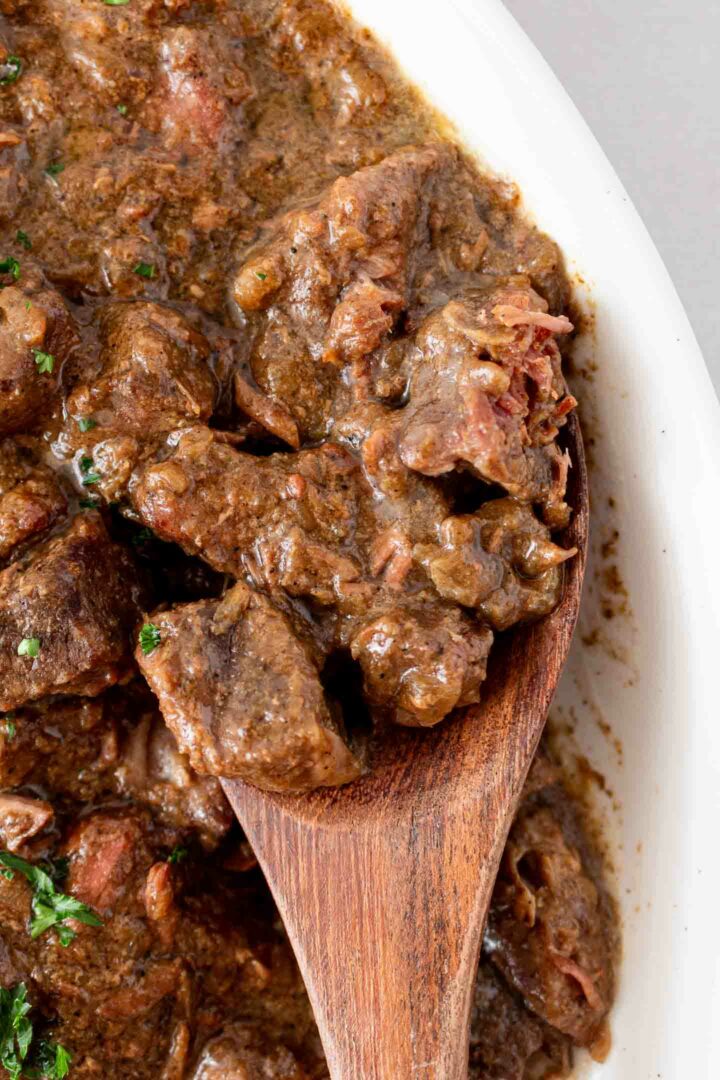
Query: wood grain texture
384, 885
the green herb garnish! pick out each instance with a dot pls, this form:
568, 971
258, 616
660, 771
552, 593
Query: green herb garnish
177, 855
29, 646
89, 478
88, 504
116, 3
86, 423
44, 361
49, 908
15, 1029
51, 1062
149, 638
11, 68
143, 269
21, 237
10, 729
122, 109
259, 274
10, 266
18, 1056
55, 168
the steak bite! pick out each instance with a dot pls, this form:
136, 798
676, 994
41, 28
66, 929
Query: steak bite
327, 287
499, 560
289, 520
550, 930
31, 499
22, 818
238, 1054
154, 372
201, 83
487, 391
153, 377
37, 335
422, 661
242, 695
66, 608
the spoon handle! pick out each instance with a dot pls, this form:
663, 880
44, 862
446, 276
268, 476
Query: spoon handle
386, 923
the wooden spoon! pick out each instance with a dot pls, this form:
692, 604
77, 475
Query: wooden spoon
384, 885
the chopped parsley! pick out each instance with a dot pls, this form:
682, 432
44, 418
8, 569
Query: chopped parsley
149, 638
88, 504
122, 109
49, 909
44, 361
29, 646
51, 1062
21, 237
11, 69
18, 1055
86, 423
15, 1029
143, 269
89, 478
55, 168
116, 3
259, 274
177, 855
10, 729
10, 266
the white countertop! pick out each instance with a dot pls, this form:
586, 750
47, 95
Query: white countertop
645, 74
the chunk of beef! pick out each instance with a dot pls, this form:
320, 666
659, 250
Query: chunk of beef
506, 1041
499, 560
31, 499
422, 661
289, 520
488, 392
238, 1054
154, 773
242, 695
153, 377
37, 335
549, 929
21, 818
105, 853
71, 601
201, 85
327, 287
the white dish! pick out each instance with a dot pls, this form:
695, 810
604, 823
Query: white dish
657, 433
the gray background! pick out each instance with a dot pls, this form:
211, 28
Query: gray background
645, 74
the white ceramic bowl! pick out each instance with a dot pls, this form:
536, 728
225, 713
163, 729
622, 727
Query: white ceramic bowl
655, 420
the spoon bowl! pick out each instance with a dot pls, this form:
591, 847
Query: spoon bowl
384, 885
